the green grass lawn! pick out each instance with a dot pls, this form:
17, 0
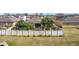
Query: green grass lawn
70, 38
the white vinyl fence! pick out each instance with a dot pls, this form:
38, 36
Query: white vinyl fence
31, 33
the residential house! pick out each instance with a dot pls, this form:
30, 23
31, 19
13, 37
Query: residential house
71, 21
35, 20
68, 19
7, 21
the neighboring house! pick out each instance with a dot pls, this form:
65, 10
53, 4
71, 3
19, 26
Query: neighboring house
60, 16
68, 19
71, 20
7, 21
35, 20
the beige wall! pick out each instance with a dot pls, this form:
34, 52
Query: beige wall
5, 25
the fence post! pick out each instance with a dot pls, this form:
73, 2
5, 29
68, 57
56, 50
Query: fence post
22, 32
51, 32
45, 32
33, 33
57, 33
5, 32
28, 33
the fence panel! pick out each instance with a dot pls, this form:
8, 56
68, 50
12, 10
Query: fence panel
3, 32
42, 32
36, 33
25, 33
13, 32
8, 32
30, 33
48, 32
0, 32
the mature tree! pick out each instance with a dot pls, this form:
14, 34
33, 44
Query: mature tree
46, 23
22, 25
57, 22
26, 14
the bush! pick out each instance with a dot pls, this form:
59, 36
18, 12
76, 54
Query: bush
22, 25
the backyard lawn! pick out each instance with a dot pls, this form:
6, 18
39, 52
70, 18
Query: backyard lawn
70, 38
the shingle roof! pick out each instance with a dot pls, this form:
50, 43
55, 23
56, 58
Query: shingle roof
7, 19
71, 20
34, 19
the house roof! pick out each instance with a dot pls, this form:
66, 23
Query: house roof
60, 14
4, 19
34, 19
71, 20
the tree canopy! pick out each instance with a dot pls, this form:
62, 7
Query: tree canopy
46, 23
23, 25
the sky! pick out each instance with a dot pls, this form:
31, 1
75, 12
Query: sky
39, 6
